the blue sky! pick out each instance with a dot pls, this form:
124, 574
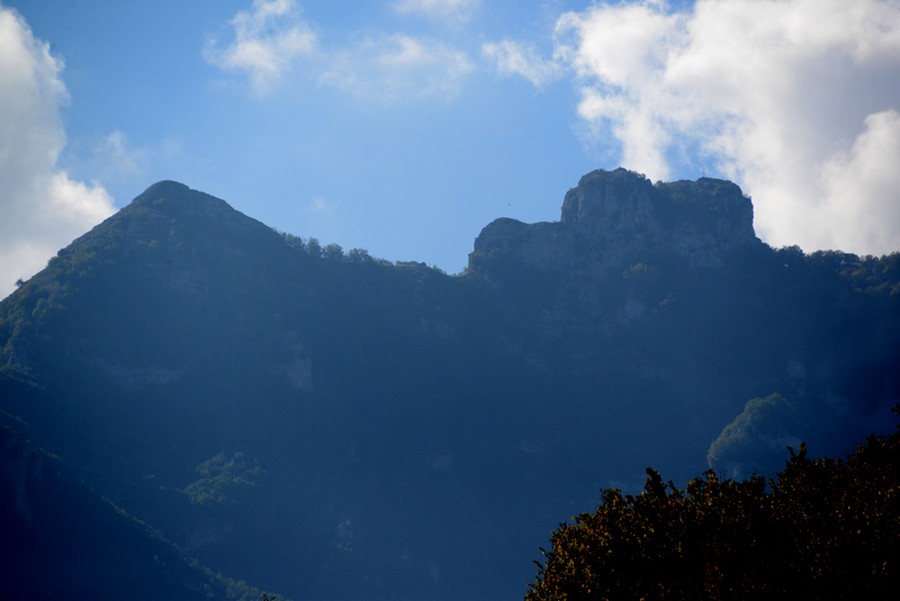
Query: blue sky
405, 126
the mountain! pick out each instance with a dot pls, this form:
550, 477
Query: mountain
333, 426
62, 541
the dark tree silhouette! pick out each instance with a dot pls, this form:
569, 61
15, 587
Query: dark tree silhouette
822, 528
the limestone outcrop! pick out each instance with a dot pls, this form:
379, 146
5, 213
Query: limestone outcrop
615, 217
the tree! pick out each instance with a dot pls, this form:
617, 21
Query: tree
823, 528
359, 255
333, 251
757, 438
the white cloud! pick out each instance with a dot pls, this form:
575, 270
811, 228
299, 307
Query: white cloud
268, 39
42, 208
514, 58
864, 186
449, 11
117, 159
399, 67
794, 99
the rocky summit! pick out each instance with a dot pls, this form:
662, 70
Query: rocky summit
613, 217
232, 410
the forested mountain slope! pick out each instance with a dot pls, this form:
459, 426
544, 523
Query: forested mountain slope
334, 426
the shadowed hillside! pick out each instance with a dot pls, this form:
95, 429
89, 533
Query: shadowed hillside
335, 426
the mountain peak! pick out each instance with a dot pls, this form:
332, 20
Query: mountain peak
606, 196
169, 204
169, 231
619, 215
166, 186
167, 195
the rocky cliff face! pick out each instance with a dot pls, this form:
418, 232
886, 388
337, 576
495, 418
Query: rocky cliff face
612, 217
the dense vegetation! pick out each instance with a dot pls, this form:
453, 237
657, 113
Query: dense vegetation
821, 529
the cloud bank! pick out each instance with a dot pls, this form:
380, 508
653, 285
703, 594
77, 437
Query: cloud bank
42, 208
796, 100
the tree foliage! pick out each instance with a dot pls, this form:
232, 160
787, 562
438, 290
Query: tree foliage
822, 528
757, 437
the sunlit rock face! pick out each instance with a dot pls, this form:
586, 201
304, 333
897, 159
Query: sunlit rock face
614, 218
